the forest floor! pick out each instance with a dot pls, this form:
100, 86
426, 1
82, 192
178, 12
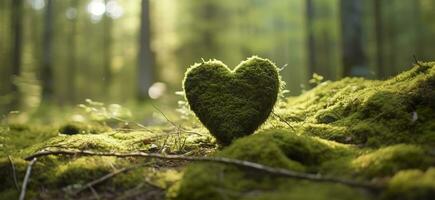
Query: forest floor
349, 139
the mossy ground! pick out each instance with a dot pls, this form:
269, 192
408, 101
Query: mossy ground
381, 132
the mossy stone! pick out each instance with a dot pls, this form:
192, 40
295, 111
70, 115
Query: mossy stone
232, 103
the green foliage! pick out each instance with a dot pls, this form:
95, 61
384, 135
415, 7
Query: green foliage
316, 79
232, 103
99, 112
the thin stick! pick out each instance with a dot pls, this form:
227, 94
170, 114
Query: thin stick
136, 123
14, 173
283, 120
91, 184
178, 127
163, 114
229, 161
26, 178
94, 192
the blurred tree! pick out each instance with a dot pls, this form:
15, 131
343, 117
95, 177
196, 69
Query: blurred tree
353, 56
17, 30
427, 16
5, 44
107, 51
323, 32
46, 72
377, 9
72, 14
310, 37
418, 26
145, 57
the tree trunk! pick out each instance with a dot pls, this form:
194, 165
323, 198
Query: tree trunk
418, 32
72, 54
107, 52
354, 59
47, 62
146, 60
377, 7
16, 52
311, 42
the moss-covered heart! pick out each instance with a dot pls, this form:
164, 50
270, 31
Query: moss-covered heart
232, 103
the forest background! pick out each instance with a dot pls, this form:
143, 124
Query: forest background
61, 52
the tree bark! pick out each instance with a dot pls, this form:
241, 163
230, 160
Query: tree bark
145, 57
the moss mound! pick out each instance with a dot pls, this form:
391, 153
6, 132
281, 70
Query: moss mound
232, 103
389, 160
276, 148
58, 177
369, 112
375, 131
412, 184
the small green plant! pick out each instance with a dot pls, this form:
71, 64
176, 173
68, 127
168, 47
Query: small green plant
316, 79
183, 106
102, 113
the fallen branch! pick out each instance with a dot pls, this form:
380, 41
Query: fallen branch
229, 161
26, 178
14, 173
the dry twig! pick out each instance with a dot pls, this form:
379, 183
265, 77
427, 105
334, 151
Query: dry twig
26, 178
283, 120
229, 161
176, 126
94, 192
14, 173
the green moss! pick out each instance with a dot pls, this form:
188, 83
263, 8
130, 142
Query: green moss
232, 103
370, 130
389, 160
6, 175
368, 112
14, 138
73, 128
107, 141
412, 184
354, 128
306, 191
276, 148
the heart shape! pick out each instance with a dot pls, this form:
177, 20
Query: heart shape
232, 103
